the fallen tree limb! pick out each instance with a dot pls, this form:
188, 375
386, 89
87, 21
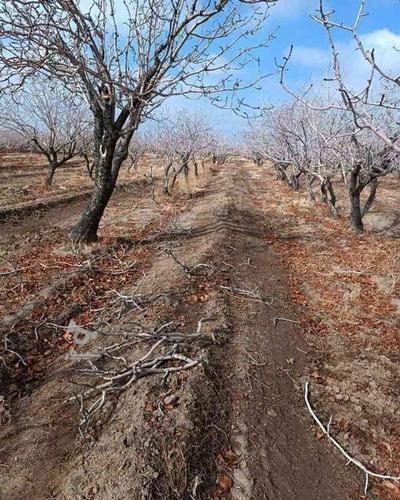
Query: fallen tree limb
188, 270
276, 320
326, 431
252, 295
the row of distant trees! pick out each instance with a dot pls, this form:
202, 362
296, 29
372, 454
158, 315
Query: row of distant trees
346, 134
320, 147
45, 119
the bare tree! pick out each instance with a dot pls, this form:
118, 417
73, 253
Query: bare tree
370, 144
162, 146
219, 150
181, 142
126, 58
192, 137
46, 118
300, 142
137, 149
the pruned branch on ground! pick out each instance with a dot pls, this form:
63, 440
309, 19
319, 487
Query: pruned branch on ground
164, 357
326, 430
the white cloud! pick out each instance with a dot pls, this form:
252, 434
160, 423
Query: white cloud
355, 69
384, 42
311, 57
292, 9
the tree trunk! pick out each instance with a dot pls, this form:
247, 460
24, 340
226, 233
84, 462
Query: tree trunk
310, 189
134, 164
105, 141
354, 198
371, 197
111, 147
195, 168
281, 173
50, 173
295, 180
166, 178
328, 195
355, 210
89, 165
86, 228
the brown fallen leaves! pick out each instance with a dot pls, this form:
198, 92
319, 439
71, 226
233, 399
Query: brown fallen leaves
348, 290
226, 462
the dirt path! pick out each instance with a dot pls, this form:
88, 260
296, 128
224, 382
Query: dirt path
245, 396
271, 430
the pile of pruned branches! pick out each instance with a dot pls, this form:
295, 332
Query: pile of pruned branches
113, 373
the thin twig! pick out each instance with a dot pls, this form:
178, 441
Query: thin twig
252, 295
356, 462
285, 319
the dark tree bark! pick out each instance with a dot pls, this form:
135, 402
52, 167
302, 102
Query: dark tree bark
328, 195
89, 165
310, 189
166, 178
355, 201
356, 187
134, 165
294, 182
280, 168
86, 228
371, 197
50, 173
355, 210
184, 168
195, 168
54, 164
111, 147
105, 142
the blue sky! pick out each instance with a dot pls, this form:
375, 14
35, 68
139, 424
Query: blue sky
310, 62
311, 57
380, 30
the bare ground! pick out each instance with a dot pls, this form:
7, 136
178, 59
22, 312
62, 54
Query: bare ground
235, 426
